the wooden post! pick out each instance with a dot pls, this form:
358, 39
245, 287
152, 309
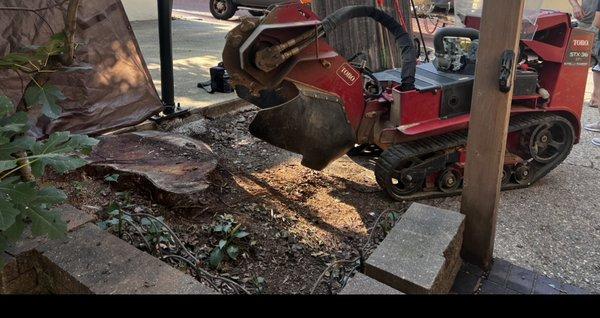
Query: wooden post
490, 113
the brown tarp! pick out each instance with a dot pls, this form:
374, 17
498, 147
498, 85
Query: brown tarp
118, 92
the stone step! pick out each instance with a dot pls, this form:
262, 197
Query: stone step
89, 261
421, 254
361, 284
94, 261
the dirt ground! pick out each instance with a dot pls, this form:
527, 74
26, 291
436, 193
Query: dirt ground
299, 220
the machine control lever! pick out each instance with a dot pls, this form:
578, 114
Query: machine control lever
506, 68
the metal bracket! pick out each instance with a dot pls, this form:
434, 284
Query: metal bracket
506, 69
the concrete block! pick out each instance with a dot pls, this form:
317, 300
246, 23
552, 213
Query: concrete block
361, 284
101, 263
421, 254
10, 270
75, 218
23, 284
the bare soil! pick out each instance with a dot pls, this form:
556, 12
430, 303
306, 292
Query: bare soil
299, 220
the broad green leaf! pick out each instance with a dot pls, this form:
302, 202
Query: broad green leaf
222, 243
60, 151
14, 233
47, 96
46, 222
14, 124
8, 214
233, 252
4, 140
49, 196
19, 193
216, 257
60, 163
3, 246
19, 144
6, 106
7, 165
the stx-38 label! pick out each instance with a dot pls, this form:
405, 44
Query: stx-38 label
580, 49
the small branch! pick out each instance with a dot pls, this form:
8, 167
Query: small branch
71, 27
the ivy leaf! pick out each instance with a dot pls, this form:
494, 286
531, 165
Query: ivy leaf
112, 178
241, 234
222, 243
6, 106
8, 215
233, 252
46, 222
47, 96
216, 257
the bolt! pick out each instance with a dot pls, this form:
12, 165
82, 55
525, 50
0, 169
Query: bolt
450, 181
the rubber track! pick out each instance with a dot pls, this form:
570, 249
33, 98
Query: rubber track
421, 147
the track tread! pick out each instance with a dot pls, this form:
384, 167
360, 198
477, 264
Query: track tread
417, 148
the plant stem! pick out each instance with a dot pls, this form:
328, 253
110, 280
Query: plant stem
23, 162
71, 27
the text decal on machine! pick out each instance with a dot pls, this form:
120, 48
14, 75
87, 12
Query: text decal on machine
579, 49
348, 74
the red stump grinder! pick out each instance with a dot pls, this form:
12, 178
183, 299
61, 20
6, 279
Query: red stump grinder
316, 103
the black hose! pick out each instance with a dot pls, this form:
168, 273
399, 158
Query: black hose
438, 39
403, 39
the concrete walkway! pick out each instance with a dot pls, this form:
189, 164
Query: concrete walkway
197, 46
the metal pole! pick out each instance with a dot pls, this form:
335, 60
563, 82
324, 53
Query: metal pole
165, 8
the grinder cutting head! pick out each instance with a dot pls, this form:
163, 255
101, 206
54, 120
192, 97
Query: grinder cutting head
312, 98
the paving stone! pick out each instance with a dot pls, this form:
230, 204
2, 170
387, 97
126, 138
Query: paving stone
107, 265
491, 288
520, 280
361, 284
471, 269
499, 272
466, 283
546, 286
421, 254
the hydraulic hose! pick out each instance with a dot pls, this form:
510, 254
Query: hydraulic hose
403, 39
438, 39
